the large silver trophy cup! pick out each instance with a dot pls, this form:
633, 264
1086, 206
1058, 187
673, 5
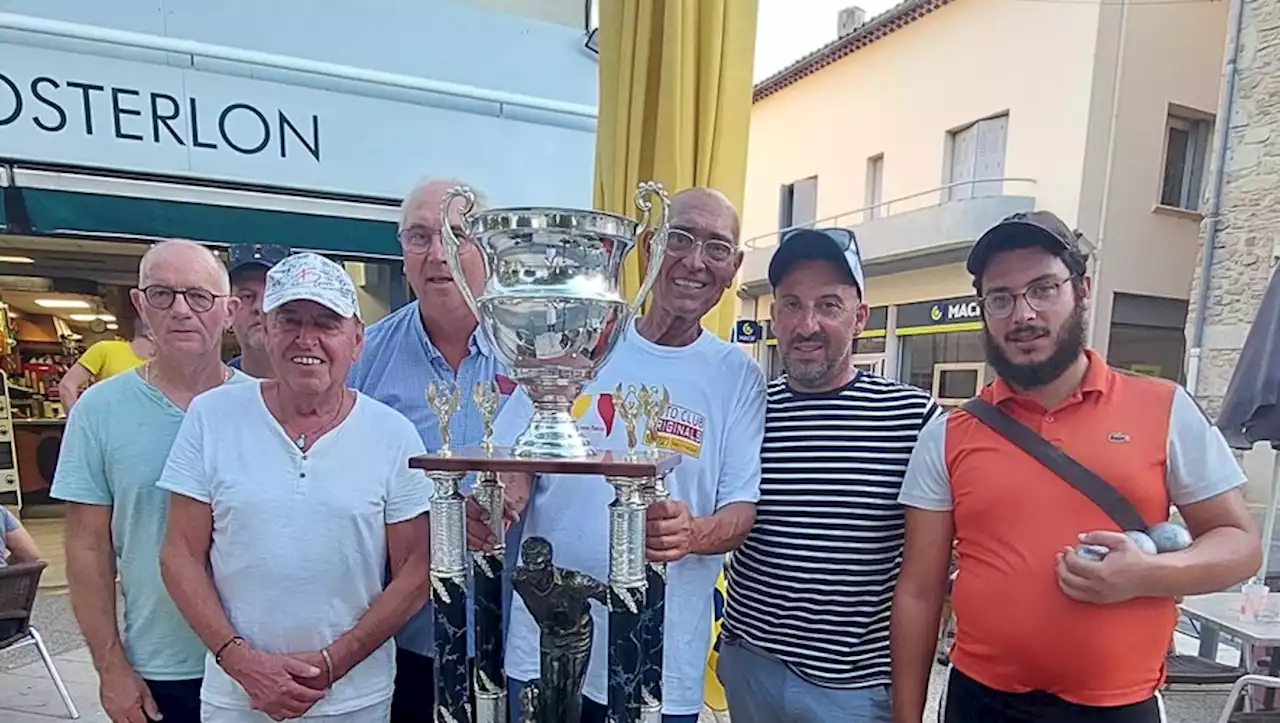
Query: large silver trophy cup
552, 307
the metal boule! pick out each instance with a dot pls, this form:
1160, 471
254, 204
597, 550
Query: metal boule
1143, 541
1169, 537
1095, 553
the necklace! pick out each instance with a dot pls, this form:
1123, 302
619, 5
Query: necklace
301, 440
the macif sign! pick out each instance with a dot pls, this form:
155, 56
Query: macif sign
943, 311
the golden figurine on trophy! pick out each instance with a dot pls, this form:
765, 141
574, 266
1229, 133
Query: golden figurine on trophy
444, 400
486, 397
627, 404
653, 404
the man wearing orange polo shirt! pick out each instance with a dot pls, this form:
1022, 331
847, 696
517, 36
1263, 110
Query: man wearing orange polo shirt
1043, 634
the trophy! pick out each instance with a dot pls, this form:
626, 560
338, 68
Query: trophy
551, 308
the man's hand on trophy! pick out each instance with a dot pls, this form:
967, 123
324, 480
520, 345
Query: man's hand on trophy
669, 533
479, 534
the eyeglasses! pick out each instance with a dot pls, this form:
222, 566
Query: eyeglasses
162, 297
419, 238
682, 243
1040, 296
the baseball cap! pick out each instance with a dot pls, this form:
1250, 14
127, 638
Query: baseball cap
836, 246
265, 255
311, 277
1022, 229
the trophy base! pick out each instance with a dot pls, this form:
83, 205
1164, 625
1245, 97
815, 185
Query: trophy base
502, 459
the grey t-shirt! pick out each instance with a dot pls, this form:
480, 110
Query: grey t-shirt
8, 523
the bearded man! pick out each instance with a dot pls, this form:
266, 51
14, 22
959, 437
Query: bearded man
1044, 634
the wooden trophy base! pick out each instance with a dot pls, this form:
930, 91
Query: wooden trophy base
610, 464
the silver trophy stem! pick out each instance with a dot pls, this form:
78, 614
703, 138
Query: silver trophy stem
552, 433
448, 528
449, 598
490, 683
654, 489
626, 598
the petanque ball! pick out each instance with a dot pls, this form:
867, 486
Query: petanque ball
1169, 537
1092, 552
1143, 541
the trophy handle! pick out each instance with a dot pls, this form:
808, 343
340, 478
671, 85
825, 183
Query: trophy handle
453, 247
657, 241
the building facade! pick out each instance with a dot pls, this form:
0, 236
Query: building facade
924, 126
289, 122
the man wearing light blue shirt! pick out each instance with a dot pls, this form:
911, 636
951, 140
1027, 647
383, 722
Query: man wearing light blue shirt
117, 440
434, 339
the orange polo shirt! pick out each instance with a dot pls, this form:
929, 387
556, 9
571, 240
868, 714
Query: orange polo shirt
1016, 631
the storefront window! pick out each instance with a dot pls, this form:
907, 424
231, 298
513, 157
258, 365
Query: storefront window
1147, 335
869, 345
1147, 350
922, 352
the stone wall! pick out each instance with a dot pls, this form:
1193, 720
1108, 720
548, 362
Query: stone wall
1247, 240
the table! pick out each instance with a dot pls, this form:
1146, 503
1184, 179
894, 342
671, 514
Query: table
1220, 611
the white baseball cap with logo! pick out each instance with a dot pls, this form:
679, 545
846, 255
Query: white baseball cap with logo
311, 277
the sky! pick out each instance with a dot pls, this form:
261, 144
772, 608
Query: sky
790, 29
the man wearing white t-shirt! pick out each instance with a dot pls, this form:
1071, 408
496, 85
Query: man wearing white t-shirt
715, 420
290, 497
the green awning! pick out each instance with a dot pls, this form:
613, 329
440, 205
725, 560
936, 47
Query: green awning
70, 212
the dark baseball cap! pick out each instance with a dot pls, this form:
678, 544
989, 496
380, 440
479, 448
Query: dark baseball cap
837, 246
243, 256
1024, 229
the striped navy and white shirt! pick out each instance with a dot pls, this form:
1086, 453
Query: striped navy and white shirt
813, 582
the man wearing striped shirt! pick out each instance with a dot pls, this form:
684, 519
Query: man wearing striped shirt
806, 628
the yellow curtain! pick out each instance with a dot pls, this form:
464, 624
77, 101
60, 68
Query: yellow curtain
675, 105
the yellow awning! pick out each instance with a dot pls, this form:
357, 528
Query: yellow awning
675, 106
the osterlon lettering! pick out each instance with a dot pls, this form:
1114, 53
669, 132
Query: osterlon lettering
132, 114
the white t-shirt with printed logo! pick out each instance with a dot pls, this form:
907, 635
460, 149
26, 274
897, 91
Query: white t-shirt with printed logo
716, 420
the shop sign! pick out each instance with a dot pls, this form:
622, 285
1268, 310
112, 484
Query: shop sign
748, 331
943, 311
87, 110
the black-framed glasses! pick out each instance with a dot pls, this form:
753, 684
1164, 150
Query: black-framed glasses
682, 243
1040, 296
162, 297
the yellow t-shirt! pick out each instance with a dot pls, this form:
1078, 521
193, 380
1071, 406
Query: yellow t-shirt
108, 358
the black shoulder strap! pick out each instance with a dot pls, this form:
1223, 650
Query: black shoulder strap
1072, 472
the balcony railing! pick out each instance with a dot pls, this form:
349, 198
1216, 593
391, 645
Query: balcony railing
931, 198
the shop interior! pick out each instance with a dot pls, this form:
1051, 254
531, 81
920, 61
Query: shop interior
58, 296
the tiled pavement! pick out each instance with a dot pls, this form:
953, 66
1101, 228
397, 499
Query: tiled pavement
27, 694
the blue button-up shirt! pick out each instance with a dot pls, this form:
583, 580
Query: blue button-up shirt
397, 364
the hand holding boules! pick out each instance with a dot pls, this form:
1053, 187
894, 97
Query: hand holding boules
1116, 577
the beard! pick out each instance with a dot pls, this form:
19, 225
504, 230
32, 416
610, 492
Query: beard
1070, 344
815, 373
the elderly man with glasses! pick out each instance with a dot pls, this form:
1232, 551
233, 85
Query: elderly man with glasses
435, 339
1045, 633
714, 418
805, 637
114, 449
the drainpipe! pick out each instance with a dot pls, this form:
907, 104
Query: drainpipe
1106, 178
1221, 134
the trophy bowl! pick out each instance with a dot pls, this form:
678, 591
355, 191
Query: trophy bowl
552, 306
